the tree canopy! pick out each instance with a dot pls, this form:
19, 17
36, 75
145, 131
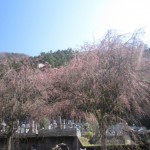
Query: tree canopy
108, 80
58, 58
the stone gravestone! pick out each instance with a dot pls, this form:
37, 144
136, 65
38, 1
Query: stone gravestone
22, 130
64, 124
3, 126
59, 122
27, 127
70, 123
54, 124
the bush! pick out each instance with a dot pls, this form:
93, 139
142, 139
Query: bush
89, 134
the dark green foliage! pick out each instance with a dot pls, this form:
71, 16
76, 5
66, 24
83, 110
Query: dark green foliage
58, 58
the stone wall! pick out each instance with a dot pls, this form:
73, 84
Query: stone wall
47, 143
44, 140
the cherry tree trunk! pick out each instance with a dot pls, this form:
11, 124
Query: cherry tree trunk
102, 130
103, 140
9, 142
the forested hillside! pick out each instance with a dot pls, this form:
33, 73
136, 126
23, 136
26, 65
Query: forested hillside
54, 59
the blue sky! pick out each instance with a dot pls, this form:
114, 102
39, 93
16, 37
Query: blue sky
34, 26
